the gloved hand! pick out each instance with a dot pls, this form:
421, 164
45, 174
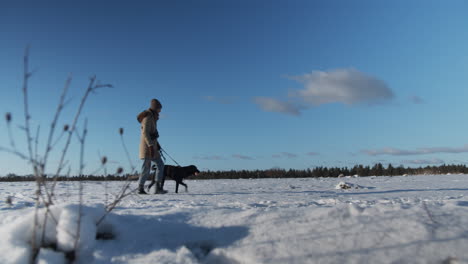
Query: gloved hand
151, 151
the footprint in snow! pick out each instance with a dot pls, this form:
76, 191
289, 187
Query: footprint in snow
462, 203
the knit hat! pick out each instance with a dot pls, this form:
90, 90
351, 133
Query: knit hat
156, 103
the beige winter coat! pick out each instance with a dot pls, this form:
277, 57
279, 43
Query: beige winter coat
148, 121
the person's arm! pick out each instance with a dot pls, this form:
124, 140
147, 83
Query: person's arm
145, 125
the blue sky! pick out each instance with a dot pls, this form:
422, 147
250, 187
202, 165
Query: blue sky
247, 84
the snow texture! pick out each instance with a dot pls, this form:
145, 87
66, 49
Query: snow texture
412, 219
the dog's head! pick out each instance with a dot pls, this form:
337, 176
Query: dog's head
192, 170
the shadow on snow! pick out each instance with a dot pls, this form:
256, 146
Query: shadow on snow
141, 234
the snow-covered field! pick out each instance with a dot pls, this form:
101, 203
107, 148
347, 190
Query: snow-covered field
414, 219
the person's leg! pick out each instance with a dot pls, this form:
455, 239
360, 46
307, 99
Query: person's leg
145, 171
160, 169
159, 175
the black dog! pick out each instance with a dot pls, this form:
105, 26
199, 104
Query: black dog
177, 173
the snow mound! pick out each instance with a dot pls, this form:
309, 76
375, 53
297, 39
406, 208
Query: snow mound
67, 228
57, 231
182, 256
346, 211
347, 185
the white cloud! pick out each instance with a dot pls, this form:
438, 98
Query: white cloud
419, 151
390, 151
213, 157
424, 162
347, 86
274, 105
289, 155
285, 155
416, 99
243, 157
220, 100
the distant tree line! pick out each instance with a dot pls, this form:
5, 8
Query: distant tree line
17, 178
360, 170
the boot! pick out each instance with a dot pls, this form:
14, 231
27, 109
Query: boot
141, 189
159, 189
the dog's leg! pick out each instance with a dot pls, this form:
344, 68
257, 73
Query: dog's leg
150, 185
177, 187
153, 179
185, 185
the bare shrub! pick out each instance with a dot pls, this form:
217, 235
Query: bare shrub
46, 186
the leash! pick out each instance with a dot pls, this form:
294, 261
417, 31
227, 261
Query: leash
168, 156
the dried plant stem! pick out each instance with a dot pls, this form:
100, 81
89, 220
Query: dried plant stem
15, 152
127, 153
106, 193
32, 161
53, 125
32, 157
117, 200
36, 143
27, 116
70, 133
10, 135
81, 139
123, 193
92, 87
43, 193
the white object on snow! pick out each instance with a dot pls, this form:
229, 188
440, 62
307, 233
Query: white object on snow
344, 186
48, 256
347, 185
